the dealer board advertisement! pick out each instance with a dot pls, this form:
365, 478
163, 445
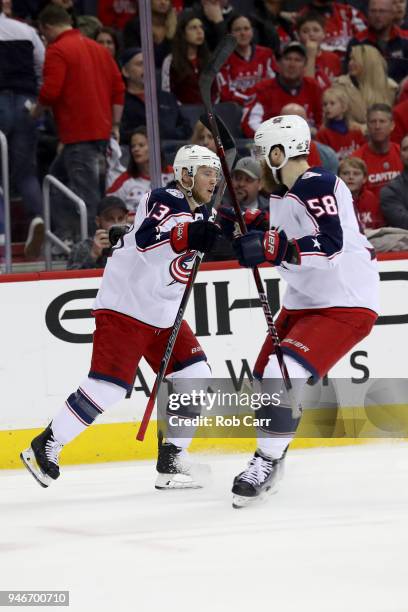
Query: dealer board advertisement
46, 336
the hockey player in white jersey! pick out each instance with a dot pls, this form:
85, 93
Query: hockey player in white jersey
331, 302
135, 308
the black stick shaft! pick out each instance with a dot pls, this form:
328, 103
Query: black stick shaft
169, 348
257, 277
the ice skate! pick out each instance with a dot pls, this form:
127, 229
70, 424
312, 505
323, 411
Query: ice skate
258, 480
177, 471
41, 458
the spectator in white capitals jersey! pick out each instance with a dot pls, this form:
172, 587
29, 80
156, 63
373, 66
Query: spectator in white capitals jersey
132, 184
331, 301
135, 309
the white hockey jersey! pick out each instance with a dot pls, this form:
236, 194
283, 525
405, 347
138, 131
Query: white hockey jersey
131, 189
144, 278
338, 266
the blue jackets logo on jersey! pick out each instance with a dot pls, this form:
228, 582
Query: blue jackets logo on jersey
180, 267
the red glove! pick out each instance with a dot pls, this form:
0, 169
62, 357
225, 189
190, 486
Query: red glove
179, 237
197, 236
254, 220
257, 219
275, 245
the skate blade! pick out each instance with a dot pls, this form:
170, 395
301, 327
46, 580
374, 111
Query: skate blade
28, 459
198, 477
240, 501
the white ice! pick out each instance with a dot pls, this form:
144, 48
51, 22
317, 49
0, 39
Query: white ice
333, 539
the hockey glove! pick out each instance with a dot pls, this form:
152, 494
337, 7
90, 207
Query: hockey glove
197, 236
254, 219
256, 247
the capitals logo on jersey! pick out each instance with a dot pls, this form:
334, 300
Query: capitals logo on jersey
180, 268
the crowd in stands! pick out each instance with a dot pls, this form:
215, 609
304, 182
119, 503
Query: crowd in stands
72, 103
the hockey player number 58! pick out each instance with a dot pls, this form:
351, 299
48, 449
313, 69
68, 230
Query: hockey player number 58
325, 205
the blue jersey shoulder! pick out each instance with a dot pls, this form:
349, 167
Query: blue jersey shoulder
171, 197
314, 183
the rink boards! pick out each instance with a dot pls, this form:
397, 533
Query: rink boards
46, 333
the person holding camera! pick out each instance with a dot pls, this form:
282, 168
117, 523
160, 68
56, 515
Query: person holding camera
93, 252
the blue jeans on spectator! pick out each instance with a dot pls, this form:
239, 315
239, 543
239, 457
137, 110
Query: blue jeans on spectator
21, 134
81, 166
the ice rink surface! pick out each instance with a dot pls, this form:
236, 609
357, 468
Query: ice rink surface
333, 539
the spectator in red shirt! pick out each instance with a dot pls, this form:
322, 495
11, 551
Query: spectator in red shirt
400, 122
380, 154
321, 65
246, 66
389, 39
83, 87
353, 172
336, 132
403, 91
116, 13
342, 22
290, 85
181, 70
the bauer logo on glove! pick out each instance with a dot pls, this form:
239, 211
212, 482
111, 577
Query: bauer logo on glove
271, 244
256, 247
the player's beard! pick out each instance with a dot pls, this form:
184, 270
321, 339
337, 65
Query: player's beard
201, 198
278, 176
268, 181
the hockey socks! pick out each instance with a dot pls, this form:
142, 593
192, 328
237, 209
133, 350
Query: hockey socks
81, 408
278, 425
274, 447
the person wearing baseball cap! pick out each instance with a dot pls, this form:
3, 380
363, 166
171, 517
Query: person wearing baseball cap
172, 124
294, 46
92, 252
289, 85
246, 179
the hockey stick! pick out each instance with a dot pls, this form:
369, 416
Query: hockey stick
207, 77
230, 154
169, 348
